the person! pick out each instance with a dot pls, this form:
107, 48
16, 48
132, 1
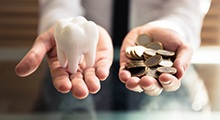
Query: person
176, 24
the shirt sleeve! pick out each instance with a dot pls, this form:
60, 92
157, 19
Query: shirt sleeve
52, 10
184, 17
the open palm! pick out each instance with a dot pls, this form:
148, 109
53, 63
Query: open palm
171, 41
84, 81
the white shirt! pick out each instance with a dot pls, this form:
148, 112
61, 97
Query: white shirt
183, 16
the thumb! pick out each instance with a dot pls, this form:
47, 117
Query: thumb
28, 64
34, 57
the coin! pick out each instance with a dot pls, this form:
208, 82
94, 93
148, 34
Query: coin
128, 51
153, 61
135, 63
154, 45
149, 58
166, 63
170, 70
143, 39
152, 72
165, 53
138, 71
134, 55
139, 50
149, 52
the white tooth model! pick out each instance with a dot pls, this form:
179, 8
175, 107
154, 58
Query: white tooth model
74, 38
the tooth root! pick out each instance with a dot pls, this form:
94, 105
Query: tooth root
61, 57
92, 36
81, 59
73, 57
89, 58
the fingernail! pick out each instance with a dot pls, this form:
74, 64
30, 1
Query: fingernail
155, 92
152, 87
138, 89
166, 83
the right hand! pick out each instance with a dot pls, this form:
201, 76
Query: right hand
171, 41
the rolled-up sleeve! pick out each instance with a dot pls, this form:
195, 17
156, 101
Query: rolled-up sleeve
52, 10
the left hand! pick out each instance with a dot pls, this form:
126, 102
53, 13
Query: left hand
171, 41
85, 80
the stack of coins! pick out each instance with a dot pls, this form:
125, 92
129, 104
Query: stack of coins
149, 57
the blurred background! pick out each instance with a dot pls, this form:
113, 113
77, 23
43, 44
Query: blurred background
18, 30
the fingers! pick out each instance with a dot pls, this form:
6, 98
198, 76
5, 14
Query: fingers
182, 60
79, 87
151, 86
29, 63
60, 76
83, 84
123, 74
133, 84
65, 83
104, 54
92, 80
33, 58
80, 83
102, 68
169, 82
147, 84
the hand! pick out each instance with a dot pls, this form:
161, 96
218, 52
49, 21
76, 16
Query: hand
85, 81
171, 41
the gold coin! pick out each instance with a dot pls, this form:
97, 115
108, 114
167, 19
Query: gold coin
128, 51
153, 61
154, 45
140, 64
170, 70
149, 58
139, 50
152, 72
166, 63
138, 71
133, 52
129, 66
143, 39
165, 53
135, 63
149, 52
134, 55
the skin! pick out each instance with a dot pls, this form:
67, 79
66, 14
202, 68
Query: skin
87, 80
171, 41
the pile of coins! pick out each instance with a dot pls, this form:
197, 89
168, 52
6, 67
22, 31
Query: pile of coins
149, 58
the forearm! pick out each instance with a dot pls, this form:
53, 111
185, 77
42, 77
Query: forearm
52, 10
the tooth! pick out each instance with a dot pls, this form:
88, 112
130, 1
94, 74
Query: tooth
74, 38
